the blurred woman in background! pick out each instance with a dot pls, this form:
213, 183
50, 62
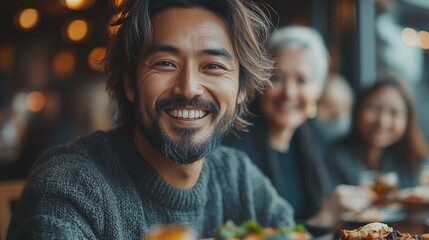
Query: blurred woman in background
385, 136
281, 144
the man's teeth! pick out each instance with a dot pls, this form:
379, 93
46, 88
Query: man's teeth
189, 114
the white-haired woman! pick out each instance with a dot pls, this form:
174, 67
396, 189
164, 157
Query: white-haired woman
280, 142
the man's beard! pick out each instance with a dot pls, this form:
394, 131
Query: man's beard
184, 151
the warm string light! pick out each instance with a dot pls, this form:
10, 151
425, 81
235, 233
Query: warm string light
75, 4
412, 38
6, 58
118, 2
423, 39
64, 64
35, 101
28, 19
409, 37
77, 30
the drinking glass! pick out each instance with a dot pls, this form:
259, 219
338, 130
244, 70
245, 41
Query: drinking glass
171, 233
381, 182
424, 176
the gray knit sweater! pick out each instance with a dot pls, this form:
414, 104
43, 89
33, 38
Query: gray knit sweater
99, 187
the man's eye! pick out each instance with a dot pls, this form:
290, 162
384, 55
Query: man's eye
164, 64
214, 66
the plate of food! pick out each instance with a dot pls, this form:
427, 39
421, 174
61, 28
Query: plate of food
378, 231
415, 196
251, 230
374, 214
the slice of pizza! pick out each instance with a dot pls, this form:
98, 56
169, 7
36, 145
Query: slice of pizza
376, 231
370, 231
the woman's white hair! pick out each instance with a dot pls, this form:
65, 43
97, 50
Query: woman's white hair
296, 37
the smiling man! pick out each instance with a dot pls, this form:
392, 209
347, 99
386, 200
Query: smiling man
181, 72
187, 89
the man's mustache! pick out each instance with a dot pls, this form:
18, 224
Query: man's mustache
178, 102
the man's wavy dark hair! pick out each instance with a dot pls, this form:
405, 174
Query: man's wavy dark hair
248, 26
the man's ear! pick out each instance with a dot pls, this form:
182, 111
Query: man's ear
241, 96
128, 88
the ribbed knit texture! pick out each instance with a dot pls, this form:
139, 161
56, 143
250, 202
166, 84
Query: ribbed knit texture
99, 187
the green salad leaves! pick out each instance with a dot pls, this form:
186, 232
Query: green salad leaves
251, 228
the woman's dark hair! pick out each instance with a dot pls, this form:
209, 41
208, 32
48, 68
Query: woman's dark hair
248, 26
412, 146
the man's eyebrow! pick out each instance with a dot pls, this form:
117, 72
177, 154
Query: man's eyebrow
217, 52
161, 48
168, 48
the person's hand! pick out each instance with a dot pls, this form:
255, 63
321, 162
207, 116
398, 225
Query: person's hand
343, 199
347, 198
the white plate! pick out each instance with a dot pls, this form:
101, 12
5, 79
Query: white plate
421, 194
385, 215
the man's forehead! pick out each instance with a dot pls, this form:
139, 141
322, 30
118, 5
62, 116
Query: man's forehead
179, 15
190, 28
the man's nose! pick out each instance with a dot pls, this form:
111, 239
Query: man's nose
188, 83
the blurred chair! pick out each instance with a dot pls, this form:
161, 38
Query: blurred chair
10, 192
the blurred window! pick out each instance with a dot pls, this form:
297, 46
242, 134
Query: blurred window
402, 46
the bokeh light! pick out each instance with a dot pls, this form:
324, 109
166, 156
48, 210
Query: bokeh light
35, 101
74, 4
28, 19
64, 64
409, 37
77, 4
77, 30
6, 58
96, 57
118, 2
19, 106
423, 39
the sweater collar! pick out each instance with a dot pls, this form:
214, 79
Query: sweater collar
150, 185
